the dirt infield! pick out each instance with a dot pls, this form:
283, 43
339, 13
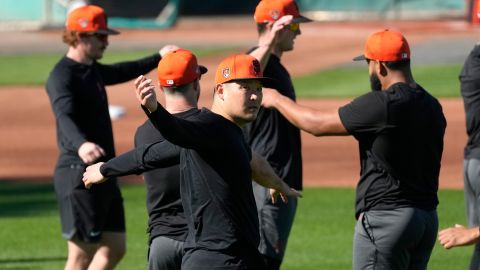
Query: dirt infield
28, 150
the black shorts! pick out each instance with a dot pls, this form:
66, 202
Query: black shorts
86, 213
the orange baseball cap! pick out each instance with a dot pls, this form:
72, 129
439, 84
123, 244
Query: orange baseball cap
241, 67
89, 18
272, 10
386, 45
179, 67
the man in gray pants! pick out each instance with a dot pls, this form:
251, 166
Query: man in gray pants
399, 127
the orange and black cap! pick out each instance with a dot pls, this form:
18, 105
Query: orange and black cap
387, 46
241, 67
178, 68
272, 10
89, 19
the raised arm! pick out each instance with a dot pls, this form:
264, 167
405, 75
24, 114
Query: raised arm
186, 134
267, 40
263, 174
310, 120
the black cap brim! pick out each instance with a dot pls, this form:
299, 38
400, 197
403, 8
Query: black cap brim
360, 58
202, 69
107, 31
301, 19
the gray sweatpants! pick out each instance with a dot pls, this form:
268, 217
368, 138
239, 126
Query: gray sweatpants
471, 178
275, 220
397, 239
165, 254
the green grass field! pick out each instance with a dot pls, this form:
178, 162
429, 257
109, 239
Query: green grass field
321, 237
33, 69
440, 80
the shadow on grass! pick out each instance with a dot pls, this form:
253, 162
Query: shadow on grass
32, 260
28, 197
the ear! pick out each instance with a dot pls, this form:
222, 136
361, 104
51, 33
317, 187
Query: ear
219, 90
382, 69
160, 87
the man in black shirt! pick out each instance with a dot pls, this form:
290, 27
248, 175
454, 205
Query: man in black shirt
178, 75
399, 127
92, 220
273, 137
216, 167
469, 86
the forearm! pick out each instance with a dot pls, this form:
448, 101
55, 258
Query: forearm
264, 175
125, 71
141, 159
70, 131
262, 54
310, 120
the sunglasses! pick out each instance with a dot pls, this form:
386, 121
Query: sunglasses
101, 37
294, 26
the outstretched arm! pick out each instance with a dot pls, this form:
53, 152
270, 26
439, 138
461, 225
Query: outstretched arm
141, 159
459, 236
310, 120
263, 174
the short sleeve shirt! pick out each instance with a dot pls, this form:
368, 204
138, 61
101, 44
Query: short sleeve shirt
400, 133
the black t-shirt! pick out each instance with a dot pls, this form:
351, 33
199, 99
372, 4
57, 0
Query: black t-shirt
165, 210
216, 188
470, 89
400, 133
272, 136
79, 102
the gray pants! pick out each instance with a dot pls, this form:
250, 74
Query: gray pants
471, 177
165, 254
275, 222
394, 239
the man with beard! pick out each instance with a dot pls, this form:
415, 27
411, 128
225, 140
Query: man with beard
399, 127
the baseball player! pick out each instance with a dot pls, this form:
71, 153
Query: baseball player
92, 220
178, 76
272, 136
399, 127
216, 167
469, 82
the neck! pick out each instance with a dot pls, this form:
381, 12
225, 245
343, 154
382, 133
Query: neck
400, 77
277, 52
218, 109
179, 104
79, 56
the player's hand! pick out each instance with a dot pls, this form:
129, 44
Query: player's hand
284, 194
89, 152
145, 92
92, 175
269, 97
167, 48
273, 29
458, 236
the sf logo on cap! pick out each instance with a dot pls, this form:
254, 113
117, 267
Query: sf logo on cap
275, 14
226, 72
83, 22
255, 68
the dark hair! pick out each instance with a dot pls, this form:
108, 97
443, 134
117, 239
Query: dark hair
261, 28
398, 65
70, 38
